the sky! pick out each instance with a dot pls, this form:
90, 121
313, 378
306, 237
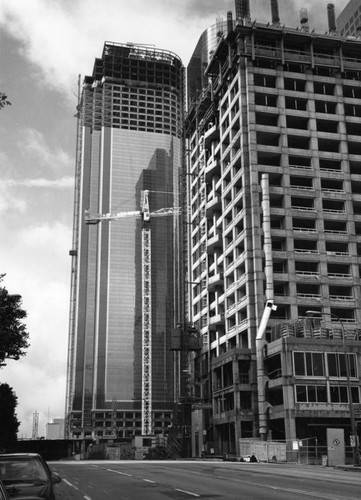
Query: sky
44, 46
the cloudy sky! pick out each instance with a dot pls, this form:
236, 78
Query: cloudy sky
44, 46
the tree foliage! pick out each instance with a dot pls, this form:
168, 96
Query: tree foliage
9, 423
4, 100
13, 334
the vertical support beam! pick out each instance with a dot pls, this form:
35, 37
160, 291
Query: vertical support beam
260, 340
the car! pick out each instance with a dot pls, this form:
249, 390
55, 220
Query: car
3, 492
27, 476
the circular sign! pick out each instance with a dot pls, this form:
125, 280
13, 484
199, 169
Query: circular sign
336, 442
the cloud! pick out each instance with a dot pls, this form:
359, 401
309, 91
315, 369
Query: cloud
8, 202
42, 250
33, 146
62, 38
37, 268
33, 163
71, 34
61, 183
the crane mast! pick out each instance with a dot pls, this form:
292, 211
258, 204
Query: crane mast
146, 320
147, 427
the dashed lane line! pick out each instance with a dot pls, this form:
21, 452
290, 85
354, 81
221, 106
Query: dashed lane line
70, 484
154, 482
75, 488
118, 472
187, 492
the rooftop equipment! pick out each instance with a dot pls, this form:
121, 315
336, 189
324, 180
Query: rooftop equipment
304, 20
275, 12
331, 17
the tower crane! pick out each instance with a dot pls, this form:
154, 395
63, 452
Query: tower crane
145, 214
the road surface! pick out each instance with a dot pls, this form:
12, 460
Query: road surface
187, 480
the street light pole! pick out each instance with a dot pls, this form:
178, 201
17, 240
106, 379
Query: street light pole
349, 391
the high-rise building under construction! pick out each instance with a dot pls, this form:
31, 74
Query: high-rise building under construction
120, 379
275, 233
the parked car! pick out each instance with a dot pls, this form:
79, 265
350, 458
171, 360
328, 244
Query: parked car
3, 492
27, 476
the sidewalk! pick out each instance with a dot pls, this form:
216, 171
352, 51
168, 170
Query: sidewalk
353, 468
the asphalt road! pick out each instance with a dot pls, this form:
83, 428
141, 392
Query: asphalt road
186, 480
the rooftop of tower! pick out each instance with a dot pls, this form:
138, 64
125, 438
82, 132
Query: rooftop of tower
303, 46
139, 51
129, 61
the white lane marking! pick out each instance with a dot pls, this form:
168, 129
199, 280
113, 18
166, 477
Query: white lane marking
69, 484
152, 482
118, 472
187, 492
86, 497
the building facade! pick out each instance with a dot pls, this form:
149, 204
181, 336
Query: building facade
55, 429
349, 20
129, 141
275, 195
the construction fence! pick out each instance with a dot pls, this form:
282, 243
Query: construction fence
306, 451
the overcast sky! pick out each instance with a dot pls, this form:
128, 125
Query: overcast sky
44, 46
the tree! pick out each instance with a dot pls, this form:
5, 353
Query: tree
4, 100
9, 423
13, 334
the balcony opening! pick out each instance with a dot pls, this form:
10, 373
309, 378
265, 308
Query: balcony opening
326, 164
327, 126
267, 119
299, 161
305, 246
298, 142
304, 224
336, 248
306, 268
354, 148
294, 84
297, 122
267, 139
298, 182
335, 226
338, 270
296, 103
298, 202
269, 158
328, 145
273, 366
353, 128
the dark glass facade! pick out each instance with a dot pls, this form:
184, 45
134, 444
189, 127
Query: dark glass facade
130, 141
202, 54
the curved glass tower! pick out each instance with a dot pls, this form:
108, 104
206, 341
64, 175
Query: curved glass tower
129, 140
